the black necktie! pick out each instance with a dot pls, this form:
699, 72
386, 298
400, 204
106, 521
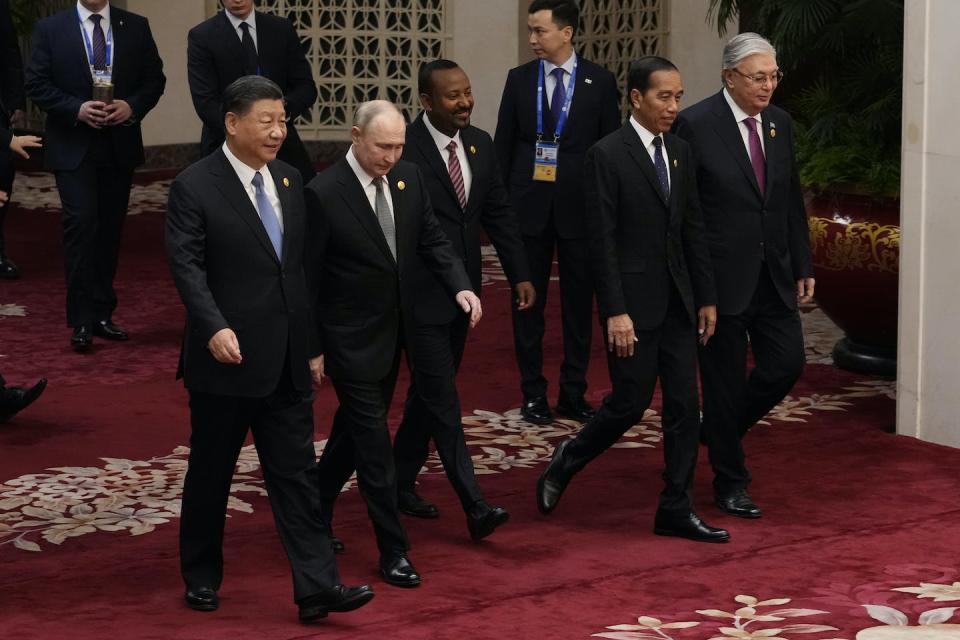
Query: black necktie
99, 44
661, 166
251, 63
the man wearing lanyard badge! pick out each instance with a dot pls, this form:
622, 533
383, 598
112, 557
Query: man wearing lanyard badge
552, 110
95, 71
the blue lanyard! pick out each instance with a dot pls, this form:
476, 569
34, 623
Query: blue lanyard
89, 45
566, 105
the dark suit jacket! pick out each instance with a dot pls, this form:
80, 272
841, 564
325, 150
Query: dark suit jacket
488, 208
215, 59
640, 244
363, 297
58, 81
594, 112
744, 227
228, 275
11, 67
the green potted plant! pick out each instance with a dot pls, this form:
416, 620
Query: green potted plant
843, 66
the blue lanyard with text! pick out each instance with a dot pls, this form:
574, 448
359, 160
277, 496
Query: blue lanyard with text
566, 104
89, 45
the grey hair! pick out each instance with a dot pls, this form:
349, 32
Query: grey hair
368, 111
743, 46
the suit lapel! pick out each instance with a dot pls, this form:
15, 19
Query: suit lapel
642, 158
400, 206
282, 181
771, 149
435, 159
75, 43
729, 131
676, 182
356, 199
469, 150
235, 194
231, 42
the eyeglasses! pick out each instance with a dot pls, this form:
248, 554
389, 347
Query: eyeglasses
762, 78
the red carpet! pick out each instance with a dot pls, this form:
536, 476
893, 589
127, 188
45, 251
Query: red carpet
857, 540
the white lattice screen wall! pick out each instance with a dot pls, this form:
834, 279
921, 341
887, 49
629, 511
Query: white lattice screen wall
615, 32
363, 49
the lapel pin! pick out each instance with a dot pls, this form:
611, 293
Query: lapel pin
675, 165
286, 182
473, 150
401, 185
773, 130
588, 80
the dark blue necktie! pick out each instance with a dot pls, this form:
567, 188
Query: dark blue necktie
99, 44
268, 215
559, 95
661, 166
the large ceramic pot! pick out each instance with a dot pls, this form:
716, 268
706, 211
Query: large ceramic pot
856, 254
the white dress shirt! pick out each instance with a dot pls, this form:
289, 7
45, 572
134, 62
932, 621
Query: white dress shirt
246, 173
740, 115
647, 137
250, 20
366, 181
550, 82
86, 26
442, 140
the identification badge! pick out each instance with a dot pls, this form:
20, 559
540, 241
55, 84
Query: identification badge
545, 162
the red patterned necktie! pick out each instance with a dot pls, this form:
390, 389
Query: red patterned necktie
456, 175
99, 44
756, 155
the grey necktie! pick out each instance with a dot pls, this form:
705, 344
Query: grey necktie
384, 217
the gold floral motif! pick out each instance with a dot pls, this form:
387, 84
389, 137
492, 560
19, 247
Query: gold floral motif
860, 245
137, 495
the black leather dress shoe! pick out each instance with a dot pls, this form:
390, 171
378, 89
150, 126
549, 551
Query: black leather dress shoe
339, 599
688, 525
106, 329
337, 545
398, 571
575, 408
202, 599
536, 410
553, 481
737, 503
410, 503
16, 399
82, 339
8, 270
484, 519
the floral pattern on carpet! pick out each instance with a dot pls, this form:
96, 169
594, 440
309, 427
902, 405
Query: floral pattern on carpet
772, 619
39, 191
138, 495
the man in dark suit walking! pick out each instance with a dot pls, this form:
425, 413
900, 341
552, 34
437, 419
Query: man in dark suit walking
371, 221
759, 241
12, 104
235, 242
552, 110
654, 291
93, 145
240, 41
459, 165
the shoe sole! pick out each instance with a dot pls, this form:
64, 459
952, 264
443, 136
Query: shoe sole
676, 534
539, 421
409, 584
748, 516
421, 514
317, 613
202, 607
